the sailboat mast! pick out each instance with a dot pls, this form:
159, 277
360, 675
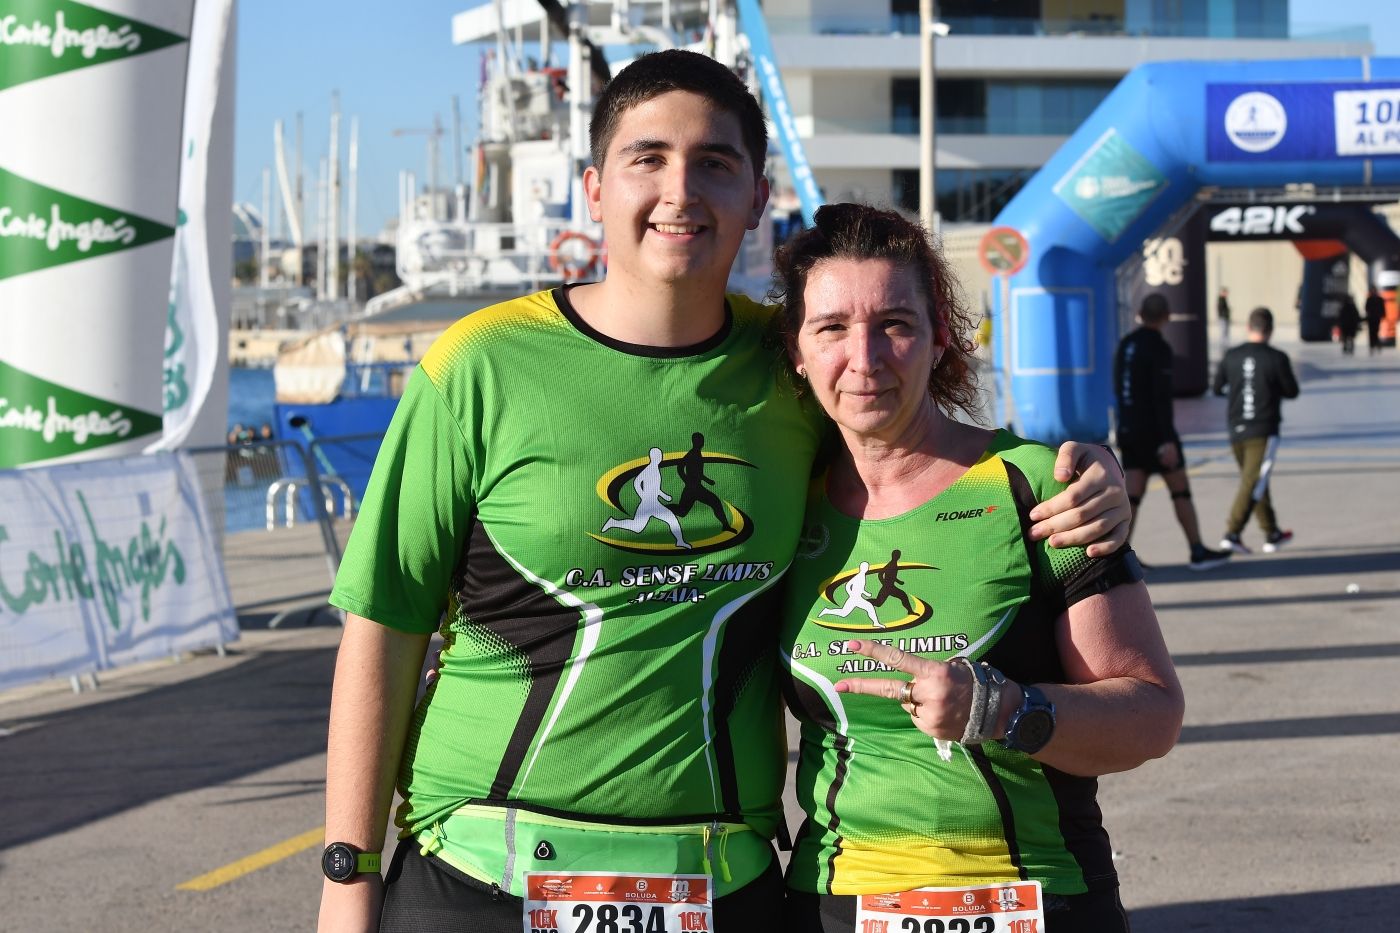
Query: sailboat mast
333, 197
352, 233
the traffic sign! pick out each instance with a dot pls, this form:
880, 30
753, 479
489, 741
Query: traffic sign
1003, 251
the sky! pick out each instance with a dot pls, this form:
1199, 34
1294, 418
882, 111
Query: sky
395, 66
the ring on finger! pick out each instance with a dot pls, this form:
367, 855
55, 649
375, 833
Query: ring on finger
906, 694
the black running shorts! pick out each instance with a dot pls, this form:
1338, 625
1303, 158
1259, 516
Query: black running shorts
1142, 455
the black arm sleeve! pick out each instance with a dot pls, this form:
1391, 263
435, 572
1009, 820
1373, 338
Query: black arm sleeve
1102, 575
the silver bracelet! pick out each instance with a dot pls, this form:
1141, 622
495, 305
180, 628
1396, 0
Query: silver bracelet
996, 682
985, 709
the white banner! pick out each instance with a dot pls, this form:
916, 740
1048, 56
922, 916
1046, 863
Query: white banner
192, 329
1368, 122
105, 563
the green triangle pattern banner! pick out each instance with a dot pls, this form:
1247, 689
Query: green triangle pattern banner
41, 38
41, 227
41, 420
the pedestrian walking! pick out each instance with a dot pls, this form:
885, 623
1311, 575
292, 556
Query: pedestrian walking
1222, 315
1348, 323
1147, 438
1375, 312
1259, 378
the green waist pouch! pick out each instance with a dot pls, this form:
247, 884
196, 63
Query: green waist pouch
498, 845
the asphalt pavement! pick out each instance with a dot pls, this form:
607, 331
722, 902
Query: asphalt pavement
189, 796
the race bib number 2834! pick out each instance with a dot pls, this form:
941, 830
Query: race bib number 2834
602, 902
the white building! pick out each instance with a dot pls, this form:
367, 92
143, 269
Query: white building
1014, 78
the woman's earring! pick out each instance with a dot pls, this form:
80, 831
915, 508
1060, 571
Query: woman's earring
801, 373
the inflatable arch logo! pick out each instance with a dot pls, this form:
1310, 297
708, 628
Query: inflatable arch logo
1256, 121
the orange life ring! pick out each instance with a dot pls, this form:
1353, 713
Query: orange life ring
572, 263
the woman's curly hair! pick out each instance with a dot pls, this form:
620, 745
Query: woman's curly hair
859, 231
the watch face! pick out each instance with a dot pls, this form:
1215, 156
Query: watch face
338, 862
1033, 729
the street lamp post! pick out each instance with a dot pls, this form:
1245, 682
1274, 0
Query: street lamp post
929, 28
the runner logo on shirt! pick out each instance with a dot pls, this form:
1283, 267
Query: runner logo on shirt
854, 609
658, 521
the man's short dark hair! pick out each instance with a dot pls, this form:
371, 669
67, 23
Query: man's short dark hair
1261, 321
658, 73
1154, 309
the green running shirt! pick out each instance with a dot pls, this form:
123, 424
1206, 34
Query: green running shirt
955, 576
598, 529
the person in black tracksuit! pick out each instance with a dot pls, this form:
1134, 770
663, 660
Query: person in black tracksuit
1259, 377
1147, 438
1375, 312
1348, 323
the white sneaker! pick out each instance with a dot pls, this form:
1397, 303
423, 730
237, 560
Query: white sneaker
1233, 543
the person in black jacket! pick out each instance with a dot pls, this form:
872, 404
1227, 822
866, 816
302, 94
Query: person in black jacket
1260, 377
1147, 438
1348, 323
1375, 311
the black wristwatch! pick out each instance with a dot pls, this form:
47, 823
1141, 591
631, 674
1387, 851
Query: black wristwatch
341, 862
1032, 724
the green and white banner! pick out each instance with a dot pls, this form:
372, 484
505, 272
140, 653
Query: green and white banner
39, 38
196, 315
105, 563
91, 104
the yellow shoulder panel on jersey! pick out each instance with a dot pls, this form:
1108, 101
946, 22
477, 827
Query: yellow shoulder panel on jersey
530, 312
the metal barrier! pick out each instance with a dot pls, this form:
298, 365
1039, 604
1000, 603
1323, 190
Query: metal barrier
288, 489
277, 569
350, 456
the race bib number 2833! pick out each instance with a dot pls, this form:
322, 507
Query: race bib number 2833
603, 902
1013, 907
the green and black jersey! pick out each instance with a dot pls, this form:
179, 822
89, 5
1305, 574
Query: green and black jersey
956, 576
598, 530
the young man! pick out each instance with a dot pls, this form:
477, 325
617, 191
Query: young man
1147, 438
1260, 377
606, 698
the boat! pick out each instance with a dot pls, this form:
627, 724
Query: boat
520, 226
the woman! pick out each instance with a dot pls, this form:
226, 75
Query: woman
979, 634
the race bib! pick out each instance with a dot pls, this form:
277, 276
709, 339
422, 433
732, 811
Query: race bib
603, 902
1011, 907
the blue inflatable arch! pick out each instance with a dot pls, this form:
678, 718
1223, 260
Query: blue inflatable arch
1167, 130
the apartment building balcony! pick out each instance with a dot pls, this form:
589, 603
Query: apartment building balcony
856, 144
1016, 56
962, 20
